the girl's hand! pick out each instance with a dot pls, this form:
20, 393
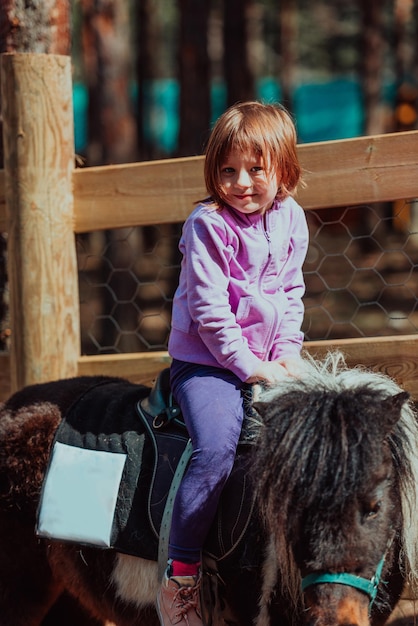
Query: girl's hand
271, 372
268, 372
293, 366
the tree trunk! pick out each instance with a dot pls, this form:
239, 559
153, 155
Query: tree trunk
238, 76
371, 65
106, 49
287, 50
149, 37
194, 77
36, 26
405, 55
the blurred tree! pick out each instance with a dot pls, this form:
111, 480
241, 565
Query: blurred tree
238, 76
42, 27
405, 55
288, 36
371, 65
405, 113
194, 76
107, 54
148, 61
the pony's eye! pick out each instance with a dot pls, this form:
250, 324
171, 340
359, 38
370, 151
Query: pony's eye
371, 510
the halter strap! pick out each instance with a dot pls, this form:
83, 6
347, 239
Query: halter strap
368, 586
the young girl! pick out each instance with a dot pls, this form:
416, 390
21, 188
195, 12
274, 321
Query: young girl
237, 316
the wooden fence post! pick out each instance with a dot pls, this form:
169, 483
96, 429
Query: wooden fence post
38, 137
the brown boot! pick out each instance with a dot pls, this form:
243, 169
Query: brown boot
178, 601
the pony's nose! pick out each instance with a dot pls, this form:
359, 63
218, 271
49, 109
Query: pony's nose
333, 608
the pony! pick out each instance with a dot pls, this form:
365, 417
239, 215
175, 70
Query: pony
334, 473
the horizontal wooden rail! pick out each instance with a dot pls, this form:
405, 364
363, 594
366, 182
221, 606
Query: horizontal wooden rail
395, 356
154, 192
337, 173
378, 168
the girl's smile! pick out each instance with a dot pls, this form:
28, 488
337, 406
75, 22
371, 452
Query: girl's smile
247, 184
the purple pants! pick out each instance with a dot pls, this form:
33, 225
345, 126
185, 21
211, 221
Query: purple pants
212, 405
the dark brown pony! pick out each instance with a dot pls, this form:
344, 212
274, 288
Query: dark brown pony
335, 473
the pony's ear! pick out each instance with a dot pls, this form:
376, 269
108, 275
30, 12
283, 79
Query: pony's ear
261, 408
392, 406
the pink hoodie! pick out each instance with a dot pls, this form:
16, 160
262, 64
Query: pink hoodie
239, 299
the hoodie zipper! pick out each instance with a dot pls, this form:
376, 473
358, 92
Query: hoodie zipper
272, 332
266, 233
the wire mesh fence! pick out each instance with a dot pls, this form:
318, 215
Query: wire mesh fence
360, 272
361, 275
361, 278
127, 280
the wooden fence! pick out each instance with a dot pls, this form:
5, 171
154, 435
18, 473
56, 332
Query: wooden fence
44, 201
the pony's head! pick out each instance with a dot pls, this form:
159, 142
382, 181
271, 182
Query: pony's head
337, 474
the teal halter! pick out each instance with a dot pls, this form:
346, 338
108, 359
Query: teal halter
363, 584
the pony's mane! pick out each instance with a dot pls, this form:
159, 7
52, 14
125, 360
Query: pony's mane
331, 380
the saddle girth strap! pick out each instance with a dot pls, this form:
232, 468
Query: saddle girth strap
168, 509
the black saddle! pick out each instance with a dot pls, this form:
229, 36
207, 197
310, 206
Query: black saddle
145, 424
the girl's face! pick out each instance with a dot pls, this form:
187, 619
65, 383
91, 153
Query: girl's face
246, 183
